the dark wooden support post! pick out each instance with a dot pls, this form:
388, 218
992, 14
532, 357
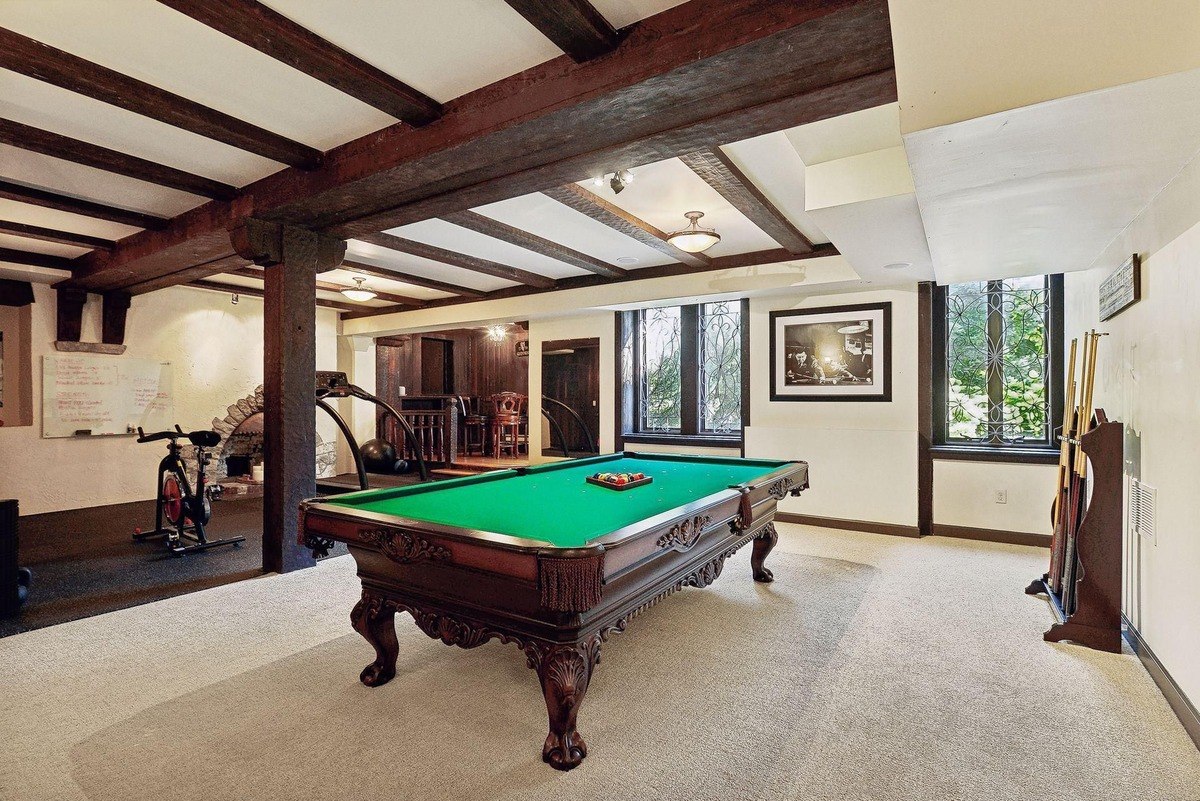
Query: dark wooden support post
116, 305
70, 314
925, 408
292, 257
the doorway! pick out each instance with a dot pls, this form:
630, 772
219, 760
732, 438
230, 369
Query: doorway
437, 366
571, 376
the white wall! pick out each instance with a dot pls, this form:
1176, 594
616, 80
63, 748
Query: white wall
964, 495
595, 324
217, 354
1148, 377
863, 456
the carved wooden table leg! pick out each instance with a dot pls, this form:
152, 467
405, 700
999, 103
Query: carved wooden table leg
564, 671
763, 544
375, 619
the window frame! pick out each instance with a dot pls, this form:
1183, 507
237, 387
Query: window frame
1038, 453
628, 411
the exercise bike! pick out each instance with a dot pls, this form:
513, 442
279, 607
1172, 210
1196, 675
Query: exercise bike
186, 508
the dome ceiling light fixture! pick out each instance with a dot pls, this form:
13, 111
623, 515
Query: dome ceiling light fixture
694, 239
616, 180
358, 292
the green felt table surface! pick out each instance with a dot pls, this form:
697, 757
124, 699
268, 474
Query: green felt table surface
554, 503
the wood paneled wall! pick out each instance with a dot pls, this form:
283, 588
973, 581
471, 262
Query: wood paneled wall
481, 367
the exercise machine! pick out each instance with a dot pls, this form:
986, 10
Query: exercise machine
333, 385
186, 508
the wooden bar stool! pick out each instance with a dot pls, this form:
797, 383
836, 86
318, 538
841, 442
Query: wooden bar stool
506, 423
471, 429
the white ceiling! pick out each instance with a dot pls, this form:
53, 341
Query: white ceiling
663, 191
77, 180
426, 268
451, 237
549, 219
964, 59
1036, 187
777, 170
847, 135
346, 278
1045, 188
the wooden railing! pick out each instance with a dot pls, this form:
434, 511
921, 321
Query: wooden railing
434, 421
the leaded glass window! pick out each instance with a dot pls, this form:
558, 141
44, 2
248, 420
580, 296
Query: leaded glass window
661, 361
998, 367
721, 367
682, 372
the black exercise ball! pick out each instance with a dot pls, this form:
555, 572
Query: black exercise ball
379, 456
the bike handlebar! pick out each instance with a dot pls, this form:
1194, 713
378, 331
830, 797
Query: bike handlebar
171, 435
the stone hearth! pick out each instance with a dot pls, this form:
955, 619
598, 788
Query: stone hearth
235, 442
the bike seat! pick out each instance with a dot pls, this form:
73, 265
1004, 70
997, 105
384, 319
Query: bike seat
204, 439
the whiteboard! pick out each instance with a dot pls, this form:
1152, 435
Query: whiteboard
86, 394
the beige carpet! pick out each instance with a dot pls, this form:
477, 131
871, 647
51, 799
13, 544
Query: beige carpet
857, 675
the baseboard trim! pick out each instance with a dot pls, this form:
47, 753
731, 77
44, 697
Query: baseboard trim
1179, 703
892, 529
992, 535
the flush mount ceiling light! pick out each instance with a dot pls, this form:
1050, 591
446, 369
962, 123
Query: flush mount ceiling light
358, 292
898, 265
617, 180
694, 239
865, 325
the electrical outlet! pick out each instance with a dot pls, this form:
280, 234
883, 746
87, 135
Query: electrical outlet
1000, 496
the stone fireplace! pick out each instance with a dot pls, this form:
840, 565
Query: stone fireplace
241, 445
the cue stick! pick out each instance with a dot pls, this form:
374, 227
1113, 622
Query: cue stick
1079, 481
1064, 475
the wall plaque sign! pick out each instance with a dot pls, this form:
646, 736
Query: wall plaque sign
1122, 289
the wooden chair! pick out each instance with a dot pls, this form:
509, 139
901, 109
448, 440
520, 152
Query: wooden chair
471, 426
506, 423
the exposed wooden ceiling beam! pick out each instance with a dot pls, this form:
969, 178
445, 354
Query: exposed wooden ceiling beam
268, 31
87, 208
255, 292
576, 197
45, 63
49, 143
575, 26
716, 170
402, 300
524, 239
752, 259
752, 67
34, 259
455, 259
409, 278
54, 235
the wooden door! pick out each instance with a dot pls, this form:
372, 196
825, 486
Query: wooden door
437, 366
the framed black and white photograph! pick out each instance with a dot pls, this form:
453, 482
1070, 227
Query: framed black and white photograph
837, 353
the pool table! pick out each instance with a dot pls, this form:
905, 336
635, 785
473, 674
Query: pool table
543, 559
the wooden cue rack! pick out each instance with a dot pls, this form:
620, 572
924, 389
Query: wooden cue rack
1083, 585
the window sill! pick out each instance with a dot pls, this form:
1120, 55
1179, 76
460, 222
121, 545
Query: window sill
697, 441
985, 453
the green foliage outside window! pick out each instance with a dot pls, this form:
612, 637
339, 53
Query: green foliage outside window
997, 361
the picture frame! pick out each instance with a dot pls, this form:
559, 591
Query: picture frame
832, 353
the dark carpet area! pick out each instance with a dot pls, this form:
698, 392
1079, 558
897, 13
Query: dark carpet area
85, 561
